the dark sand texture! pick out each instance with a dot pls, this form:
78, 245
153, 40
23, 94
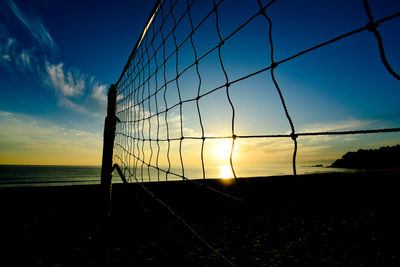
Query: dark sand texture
310, 220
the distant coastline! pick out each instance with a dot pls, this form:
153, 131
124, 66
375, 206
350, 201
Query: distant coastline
382, 158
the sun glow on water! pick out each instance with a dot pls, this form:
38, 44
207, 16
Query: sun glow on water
221, 153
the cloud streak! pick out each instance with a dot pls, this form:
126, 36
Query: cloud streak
34, 25
345, 125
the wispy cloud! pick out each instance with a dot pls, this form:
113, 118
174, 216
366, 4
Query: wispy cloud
99, 92
34, 25
76, 91
67, 83
335, 126
12, 54
6, 49
25, 59
345, 125
311, 149
65, 102
7, 46
29, 140
5, 114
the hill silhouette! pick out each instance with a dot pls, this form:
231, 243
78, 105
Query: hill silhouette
384, 157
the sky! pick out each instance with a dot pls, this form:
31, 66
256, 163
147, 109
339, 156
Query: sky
58, 58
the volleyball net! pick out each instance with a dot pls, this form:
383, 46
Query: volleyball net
208, 88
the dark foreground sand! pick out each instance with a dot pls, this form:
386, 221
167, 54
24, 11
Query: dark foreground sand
314, 220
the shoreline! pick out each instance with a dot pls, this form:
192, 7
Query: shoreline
18, 176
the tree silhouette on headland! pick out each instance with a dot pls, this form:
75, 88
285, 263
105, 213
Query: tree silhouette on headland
384, 157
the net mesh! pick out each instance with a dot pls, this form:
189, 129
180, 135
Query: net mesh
178, 96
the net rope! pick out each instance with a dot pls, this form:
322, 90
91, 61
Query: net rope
144, 131
144, 84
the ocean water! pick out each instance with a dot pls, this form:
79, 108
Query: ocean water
23, 176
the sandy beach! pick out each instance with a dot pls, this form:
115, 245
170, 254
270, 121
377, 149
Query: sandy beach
309, 220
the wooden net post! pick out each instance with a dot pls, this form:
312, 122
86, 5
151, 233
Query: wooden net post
108, 146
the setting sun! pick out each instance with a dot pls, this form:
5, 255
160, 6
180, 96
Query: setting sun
222, 149
225, 172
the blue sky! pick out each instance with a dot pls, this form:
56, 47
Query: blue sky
58, 58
